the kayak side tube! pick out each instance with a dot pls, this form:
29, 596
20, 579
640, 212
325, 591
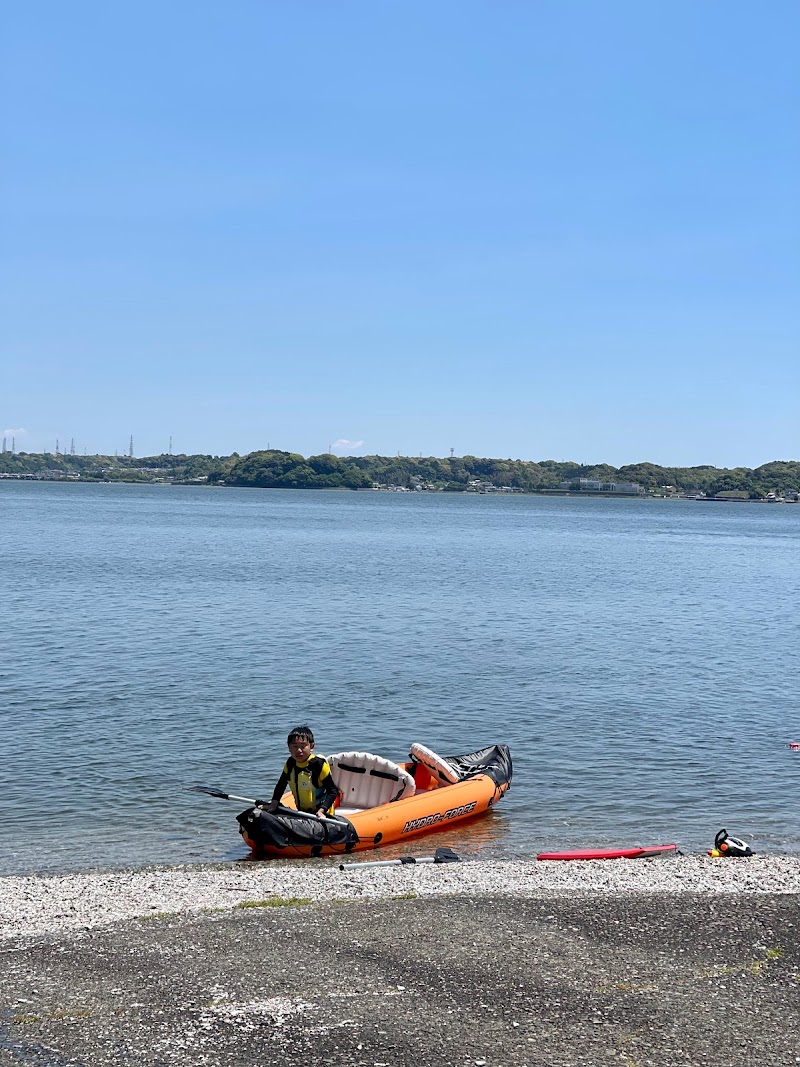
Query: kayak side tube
426, 811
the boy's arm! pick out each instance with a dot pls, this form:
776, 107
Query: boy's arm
279, 789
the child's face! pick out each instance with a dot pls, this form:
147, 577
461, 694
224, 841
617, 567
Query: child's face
300, 749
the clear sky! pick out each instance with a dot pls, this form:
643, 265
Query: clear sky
537, 229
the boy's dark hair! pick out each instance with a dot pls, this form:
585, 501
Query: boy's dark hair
300, 733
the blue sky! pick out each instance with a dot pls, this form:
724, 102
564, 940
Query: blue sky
538, 230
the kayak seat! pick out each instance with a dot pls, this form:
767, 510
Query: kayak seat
366, 781
440, 770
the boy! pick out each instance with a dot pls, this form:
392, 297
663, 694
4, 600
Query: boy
308, 777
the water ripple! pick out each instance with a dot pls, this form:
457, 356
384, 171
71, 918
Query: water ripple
638, 656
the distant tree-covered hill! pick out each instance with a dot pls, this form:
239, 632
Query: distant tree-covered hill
273, 468
282, 469
179, 468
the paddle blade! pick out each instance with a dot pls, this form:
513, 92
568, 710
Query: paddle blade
208, 792
223, 796
445, 855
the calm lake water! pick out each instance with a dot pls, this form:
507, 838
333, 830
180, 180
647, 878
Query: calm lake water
640, 657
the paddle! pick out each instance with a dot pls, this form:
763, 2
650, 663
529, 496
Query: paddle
282, 809
441, 855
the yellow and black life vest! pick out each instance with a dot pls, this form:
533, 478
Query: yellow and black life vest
311, 784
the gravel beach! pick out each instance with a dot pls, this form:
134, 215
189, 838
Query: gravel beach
34, 905
678, 960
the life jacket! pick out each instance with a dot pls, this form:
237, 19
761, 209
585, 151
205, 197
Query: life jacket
310, 783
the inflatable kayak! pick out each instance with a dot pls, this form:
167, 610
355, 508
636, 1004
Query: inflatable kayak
381, 802
610, 853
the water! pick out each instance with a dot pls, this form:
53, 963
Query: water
639, 657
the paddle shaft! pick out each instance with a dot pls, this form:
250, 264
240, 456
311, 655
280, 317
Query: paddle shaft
249, 800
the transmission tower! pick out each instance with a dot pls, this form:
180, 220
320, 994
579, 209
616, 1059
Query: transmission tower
130, 450
72, 447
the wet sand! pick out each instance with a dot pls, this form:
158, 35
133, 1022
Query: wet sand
548, 964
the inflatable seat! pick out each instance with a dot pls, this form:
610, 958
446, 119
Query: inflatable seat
366, 781
440, 770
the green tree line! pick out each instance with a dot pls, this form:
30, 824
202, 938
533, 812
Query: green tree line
275, 469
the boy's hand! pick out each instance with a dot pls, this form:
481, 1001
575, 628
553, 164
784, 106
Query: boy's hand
321, 814
272, 807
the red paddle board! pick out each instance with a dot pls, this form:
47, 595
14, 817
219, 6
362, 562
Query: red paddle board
609, 853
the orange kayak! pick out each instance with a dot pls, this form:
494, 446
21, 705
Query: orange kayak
382, 803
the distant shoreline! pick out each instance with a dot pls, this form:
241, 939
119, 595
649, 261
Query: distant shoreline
586, 494
778, 480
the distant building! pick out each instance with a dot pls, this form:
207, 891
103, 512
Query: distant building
628, 488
